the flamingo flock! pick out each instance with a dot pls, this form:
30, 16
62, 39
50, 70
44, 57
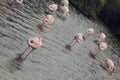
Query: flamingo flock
80, 38
36, 42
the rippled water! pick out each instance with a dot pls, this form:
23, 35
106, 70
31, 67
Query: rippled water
18, 23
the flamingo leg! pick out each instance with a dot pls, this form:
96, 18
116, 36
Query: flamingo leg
40, 27
109, 72
23, 51
85, 36
28, 54
97, 51
73, 43
19, 56
48, 11
68, 46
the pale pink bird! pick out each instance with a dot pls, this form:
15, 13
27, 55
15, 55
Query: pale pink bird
88, 32
51, 8
100, 38
110, 66
65, 15
78, 38
102, 46
34, 43
48, 20
19, 1
65, 11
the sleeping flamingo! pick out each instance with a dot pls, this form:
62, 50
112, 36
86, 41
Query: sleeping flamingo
110, 66
47, 21
102, 46
100, 38
78, 38
51, 8
33, 43
88, 32
65, 12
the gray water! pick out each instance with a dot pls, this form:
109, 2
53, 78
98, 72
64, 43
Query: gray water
49, 62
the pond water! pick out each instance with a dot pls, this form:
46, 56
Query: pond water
50, 61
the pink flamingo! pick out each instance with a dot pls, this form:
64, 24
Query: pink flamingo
102, 46
65, 11
78, 38
19, 1
88, 32
52, 8
100, 38
34, 43
110, 66
47, 21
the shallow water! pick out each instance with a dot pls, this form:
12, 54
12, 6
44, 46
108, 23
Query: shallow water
18, 23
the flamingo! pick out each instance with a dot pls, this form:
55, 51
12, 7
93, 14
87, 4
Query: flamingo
110, 66
102, 46
47, 21
33, 43
65, 11
51, 8
88, 32
100, 38
78, 38
19, 1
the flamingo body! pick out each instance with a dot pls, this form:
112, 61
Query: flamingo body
48, 20
103, 46
79, 37
53, 7
35, 42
